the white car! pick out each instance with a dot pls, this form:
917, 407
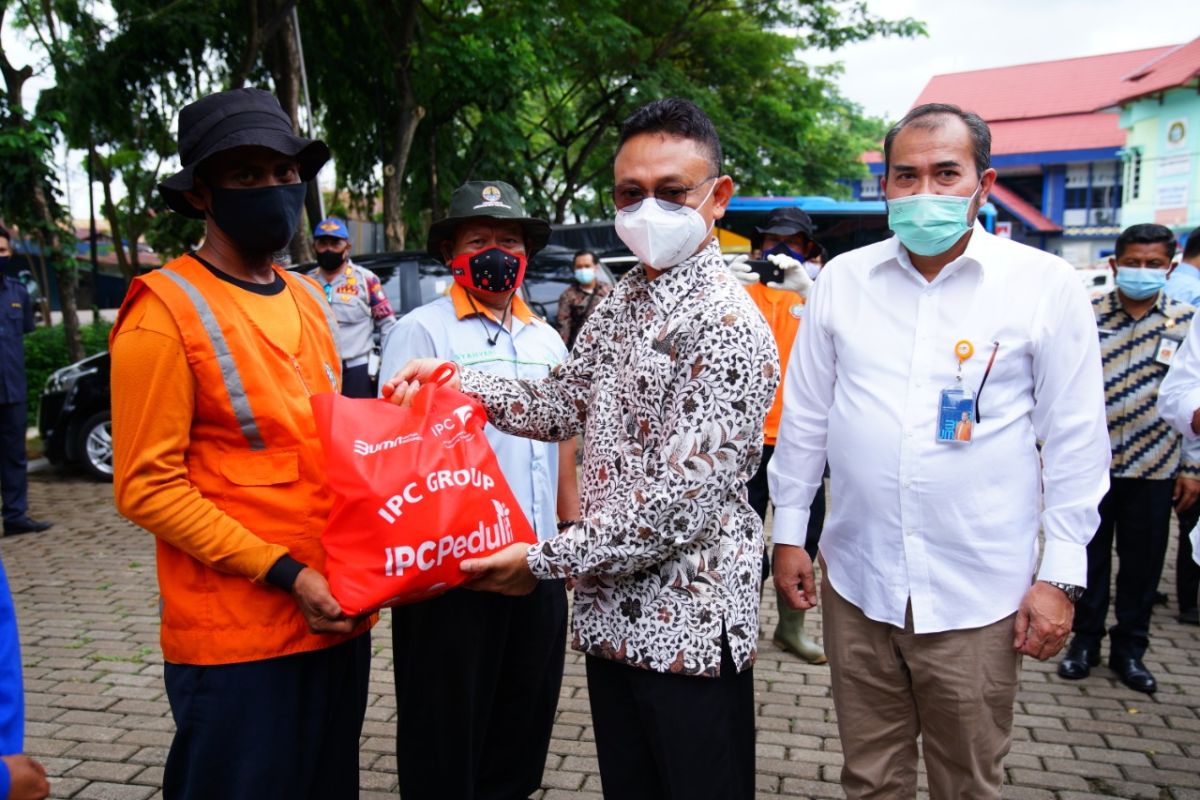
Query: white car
1097, 281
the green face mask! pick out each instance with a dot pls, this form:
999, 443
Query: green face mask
929, 224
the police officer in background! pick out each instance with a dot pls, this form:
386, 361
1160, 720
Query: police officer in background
15, 321
358, 302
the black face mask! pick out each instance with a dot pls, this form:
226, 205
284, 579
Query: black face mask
4, 261
328, 260
259, 221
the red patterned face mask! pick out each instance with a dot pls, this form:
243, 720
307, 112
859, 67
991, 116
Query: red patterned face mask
492, 269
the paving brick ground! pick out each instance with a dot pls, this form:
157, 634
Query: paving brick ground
98, 716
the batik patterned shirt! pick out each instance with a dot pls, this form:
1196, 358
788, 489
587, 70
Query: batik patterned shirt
1136, 354
669, 382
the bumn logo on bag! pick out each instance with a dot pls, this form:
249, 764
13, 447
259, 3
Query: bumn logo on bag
371, 448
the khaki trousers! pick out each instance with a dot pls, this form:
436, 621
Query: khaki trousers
955, 689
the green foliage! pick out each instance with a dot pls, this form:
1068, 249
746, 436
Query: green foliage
119, 86
533, 91
27, 161
46, 351
170, 234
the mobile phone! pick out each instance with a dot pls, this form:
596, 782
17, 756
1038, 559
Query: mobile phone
766, 271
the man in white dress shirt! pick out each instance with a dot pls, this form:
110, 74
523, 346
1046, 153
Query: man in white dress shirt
1179, 404
932, 589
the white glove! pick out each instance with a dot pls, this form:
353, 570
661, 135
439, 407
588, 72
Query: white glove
795, 276
742, 271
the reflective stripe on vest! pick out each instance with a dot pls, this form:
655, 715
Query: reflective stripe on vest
238, 399
323, 302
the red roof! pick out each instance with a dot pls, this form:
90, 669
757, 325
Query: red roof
1026, 212
1044, 89
1176, 67
1049, 134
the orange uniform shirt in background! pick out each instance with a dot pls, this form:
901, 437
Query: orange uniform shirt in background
783, 311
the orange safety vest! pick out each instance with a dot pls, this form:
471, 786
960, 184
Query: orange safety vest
782, 310
255, 454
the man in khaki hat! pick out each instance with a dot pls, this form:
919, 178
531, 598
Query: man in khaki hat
477, 673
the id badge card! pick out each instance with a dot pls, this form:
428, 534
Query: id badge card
956, 416
1166, 350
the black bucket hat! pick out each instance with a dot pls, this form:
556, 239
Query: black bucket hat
787, 221
492, 199
226, 120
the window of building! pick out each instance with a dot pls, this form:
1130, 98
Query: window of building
1104, 173
1133, 174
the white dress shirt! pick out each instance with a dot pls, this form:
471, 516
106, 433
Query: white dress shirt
953, 528
1179, 395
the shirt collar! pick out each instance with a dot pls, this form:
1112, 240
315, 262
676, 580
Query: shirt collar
979, 247
463, 307
672, 286
1184, 268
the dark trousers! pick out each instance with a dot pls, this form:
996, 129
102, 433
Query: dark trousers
673, 737
1137, 513
357, 382
760, 497
14, 476
1187, 571
477, 682
285, 727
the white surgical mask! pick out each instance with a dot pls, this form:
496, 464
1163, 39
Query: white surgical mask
660, 238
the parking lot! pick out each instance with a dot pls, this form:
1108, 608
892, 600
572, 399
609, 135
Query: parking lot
98, 719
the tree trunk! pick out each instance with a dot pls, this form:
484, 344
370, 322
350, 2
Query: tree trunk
283, 59
396, 165
435, 202
393, 175
114, 220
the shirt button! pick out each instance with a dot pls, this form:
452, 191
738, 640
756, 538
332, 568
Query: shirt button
907, 484
909, 532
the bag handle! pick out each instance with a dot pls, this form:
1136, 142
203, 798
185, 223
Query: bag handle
438, 378
443, 373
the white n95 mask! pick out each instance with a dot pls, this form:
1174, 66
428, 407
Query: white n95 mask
661, 238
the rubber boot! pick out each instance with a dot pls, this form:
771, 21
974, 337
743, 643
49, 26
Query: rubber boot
789, 634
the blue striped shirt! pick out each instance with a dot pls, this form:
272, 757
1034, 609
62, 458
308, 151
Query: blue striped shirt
1143, 445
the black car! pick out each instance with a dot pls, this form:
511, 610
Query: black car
74, 417
75, 420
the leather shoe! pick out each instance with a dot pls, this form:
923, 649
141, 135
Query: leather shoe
1078, 662
1189, 617
24, 525
1133, 673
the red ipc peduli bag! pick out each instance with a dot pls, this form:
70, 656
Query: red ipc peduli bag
418, 490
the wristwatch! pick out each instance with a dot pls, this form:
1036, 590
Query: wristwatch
1072, 591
